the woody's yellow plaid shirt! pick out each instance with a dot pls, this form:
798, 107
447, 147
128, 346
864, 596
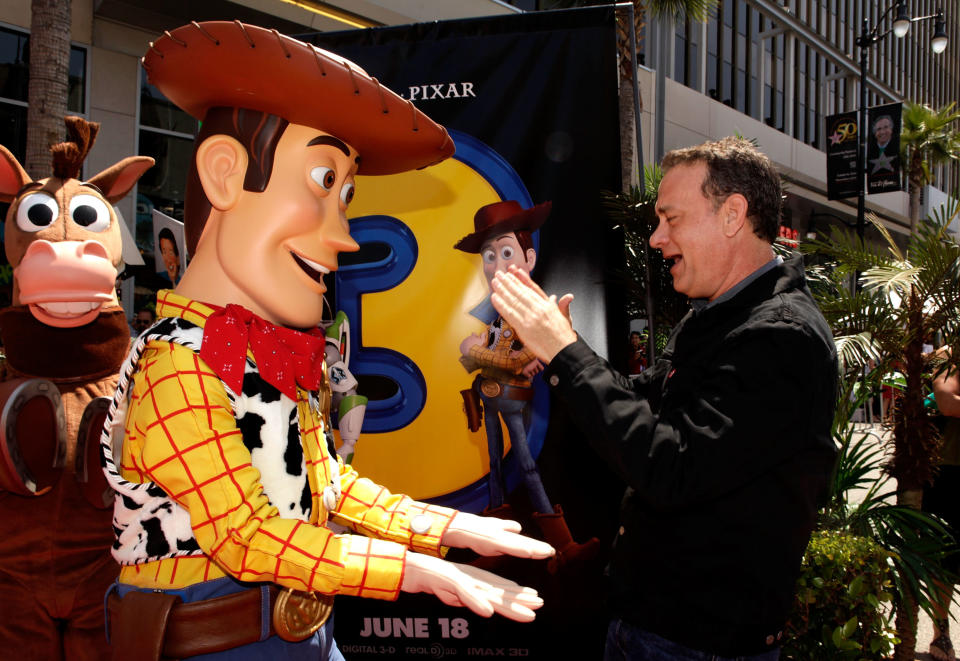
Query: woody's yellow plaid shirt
181, 434
501, 362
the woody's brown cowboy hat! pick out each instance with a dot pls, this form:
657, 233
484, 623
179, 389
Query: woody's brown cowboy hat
499, 218
236, 65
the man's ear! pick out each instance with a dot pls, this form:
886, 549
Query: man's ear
531, 259
734, 214
221, 166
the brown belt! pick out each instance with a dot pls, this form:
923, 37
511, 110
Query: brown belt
212, 625
492, 388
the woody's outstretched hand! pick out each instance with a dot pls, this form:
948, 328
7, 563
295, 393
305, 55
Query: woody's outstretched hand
491, 536
462, 585
542, 322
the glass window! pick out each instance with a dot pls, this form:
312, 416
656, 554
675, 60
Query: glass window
13, 130
713, 45
157, 112
693, 54
166, 133
163, 184
741, 88
14, 65
77, 83
15, 70
680, 53
14, 82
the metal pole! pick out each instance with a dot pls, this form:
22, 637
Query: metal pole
863, 42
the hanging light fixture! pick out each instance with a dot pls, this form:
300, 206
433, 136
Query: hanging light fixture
939, 41
901, 24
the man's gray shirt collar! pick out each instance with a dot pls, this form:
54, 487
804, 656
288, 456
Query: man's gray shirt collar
701, 304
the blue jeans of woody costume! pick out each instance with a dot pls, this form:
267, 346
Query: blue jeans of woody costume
512, 412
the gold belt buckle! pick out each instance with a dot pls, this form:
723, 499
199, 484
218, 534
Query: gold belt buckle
298, 615
490, 388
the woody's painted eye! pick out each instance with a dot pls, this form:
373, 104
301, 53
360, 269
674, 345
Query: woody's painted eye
346, 193
506, 253
325, 177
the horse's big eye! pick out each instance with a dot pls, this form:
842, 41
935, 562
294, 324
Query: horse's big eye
90, 212
36, 212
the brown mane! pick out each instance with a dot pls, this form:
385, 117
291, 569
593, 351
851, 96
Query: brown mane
68, 156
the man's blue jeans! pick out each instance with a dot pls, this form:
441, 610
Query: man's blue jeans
626, 642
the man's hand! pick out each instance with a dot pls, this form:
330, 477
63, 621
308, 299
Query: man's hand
462, 585
542, 322
470, 341
491, 536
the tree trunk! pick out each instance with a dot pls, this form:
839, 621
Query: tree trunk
913, 458
916, 184
906, 620
49, 80
631, 173
906, 625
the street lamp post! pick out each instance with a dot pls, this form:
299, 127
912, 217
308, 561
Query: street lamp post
868, 37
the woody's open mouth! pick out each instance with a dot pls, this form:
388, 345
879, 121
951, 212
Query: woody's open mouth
311, 268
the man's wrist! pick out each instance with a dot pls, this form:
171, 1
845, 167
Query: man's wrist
561, 343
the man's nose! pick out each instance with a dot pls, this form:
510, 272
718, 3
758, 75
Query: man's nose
659, 237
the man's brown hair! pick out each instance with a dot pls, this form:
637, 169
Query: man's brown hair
258, 132
734, 165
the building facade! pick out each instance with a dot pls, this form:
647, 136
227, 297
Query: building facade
770, 70
773, 70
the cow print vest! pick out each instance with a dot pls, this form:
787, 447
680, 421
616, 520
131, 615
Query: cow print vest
148, 524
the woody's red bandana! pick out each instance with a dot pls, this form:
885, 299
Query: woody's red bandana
284, 357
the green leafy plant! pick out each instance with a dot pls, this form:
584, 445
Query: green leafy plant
904, 297
867, 553
839, 614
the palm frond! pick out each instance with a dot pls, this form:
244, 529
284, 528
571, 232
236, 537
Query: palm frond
856, 351
695, 10
897, 278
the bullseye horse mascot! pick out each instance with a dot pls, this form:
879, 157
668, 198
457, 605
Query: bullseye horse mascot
64, 337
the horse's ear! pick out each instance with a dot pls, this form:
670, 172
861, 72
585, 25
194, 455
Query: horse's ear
117, 180
12, 176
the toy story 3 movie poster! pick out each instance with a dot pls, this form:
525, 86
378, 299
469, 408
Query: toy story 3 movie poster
530, 101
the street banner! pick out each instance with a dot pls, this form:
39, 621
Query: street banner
883, 149
842, 143
530, 101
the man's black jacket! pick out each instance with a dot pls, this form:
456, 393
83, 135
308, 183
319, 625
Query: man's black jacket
725, 446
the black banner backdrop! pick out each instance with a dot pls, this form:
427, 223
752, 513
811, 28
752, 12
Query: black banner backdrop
541, 90
883, 149
842, 156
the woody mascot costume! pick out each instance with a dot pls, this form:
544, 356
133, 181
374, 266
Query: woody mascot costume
218, 440
502, 236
